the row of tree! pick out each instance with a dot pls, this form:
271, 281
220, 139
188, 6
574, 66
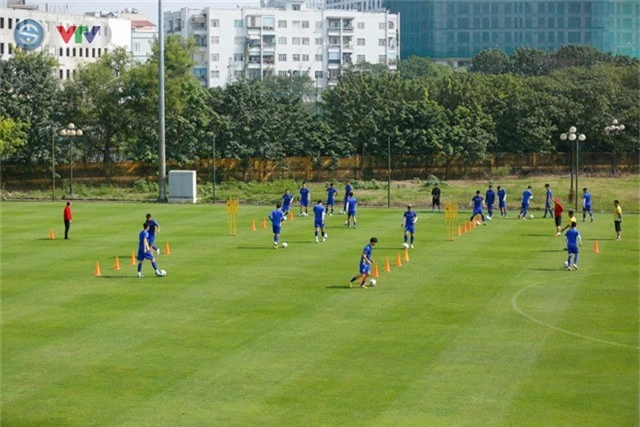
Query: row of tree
518, 104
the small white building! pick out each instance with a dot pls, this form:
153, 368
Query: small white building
72, 39
284, 39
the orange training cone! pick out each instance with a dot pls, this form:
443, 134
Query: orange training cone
406, 254
465, 227
459, 230
116, 266
291, 216
398, 260
596, 248
51, 235
167, 251
387, 267
375, 270
133, 258
253, 225
264, 223
96, 272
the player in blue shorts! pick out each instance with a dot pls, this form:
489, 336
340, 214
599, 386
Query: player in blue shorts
287, 198
154, 227
366, 261
347, 190
490, 199
145, 251
586, 205
477, 202
547, 202
527, 195
277, 217
331, 196
502, 201
408, 222
318, 221
573, 238
304, 200
352, 202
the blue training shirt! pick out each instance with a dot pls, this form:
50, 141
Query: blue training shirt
331, 193
286, 199
491, 197
141, 238
409, 219
586, 199
477, 203
351, 204
502, 194
526, 196
318, 210
573, 237
276, 216
152, 226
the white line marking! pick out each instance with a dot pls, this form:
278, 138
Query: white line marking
514, 304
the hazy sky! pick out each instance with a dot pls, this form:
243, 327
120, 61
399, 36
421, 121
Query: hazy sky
149, 7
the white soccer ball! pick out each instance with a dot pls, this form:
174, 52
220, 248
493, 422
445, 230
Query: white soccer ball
161, 273
405, 245
284, 244
477, 222
531, 216
566, 264
373, 282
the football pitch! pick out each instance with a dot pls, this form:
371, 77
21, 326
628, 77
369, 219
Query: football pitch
488, 329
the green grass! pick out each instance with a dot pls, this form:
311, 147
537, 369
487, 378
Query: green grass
486, 330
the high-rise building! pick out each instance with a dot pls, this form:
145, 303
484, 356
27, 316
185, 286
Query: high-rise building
459, 29
285, 39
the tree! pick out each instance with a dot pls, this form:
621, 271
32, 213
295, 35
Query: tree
528, 61
420, 67
12, 136
491, 61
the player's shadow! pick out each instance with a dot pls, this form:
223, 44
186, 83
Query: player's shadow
537, 235
116, 277
547, 269
269, 248
553, 250
339, 287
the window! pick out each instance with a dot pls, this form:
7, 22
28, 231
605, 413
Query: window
319, 57
305, 41
318, 24
361, 58
361, 25
238, 74
60, 52
382, 42
10, 26
319, 40
382, 59
215, 23
282, 57
215, 74
318, 74
73, 52
305, 24
237, 23
392, 25
360, 42
282, 40
295, 40
61, 74
215, 40
305, 57
238, 57
236, 40
295, 57
282, 24
296, 24
1, 48
80, 50
295, 7
382, 26
282, 74
215, 57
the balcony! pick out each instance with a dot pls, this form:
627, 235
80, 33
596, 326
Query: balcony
347, 28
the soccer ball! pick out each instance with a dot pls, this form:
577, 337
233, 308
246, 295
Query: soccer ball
531, 216
405, 245
284, 244
161, 273
372, 282
477, 222
566, 264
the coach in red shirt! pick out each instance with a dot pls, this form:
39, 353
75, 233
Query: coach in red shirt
67, 219
557, 214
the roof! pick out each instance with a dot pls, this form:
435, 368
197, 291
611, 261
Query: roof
138, 23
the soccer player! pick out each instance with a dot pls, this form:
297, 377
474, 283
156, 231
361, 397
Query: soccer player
331, 195
586, 205
478, 203
145, 251
574, 240
408, 222
617, 218
435, 197
547, 202
351, 210
526, 196
153, 228
347, 190
572, 218
318, 221
277, 217
490, 199
67, 217
304, 199
366, 261
287, 198
502, 201
557, 214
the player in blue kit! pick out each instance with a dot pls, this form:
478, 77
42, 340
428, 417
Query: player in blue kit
408, 222
366, 261
352, 202
347, 190
527, 195
586, 205
153, 228
490, 199
502, 201
277, 218
547, 202
145, 251
318, 221
304, 200
477, 202
287, 198
331, 195
573, 238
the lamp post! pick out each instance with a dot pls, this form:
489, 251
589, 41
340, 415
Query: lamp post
613, 129
213, 180
70, 132
573, 136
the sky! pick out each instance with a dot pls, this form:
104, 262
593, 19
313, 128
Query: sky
149, 7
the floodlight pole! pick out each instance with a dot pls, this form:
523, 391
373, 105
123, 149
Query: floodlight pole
388, 171
162, 168
213, 152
